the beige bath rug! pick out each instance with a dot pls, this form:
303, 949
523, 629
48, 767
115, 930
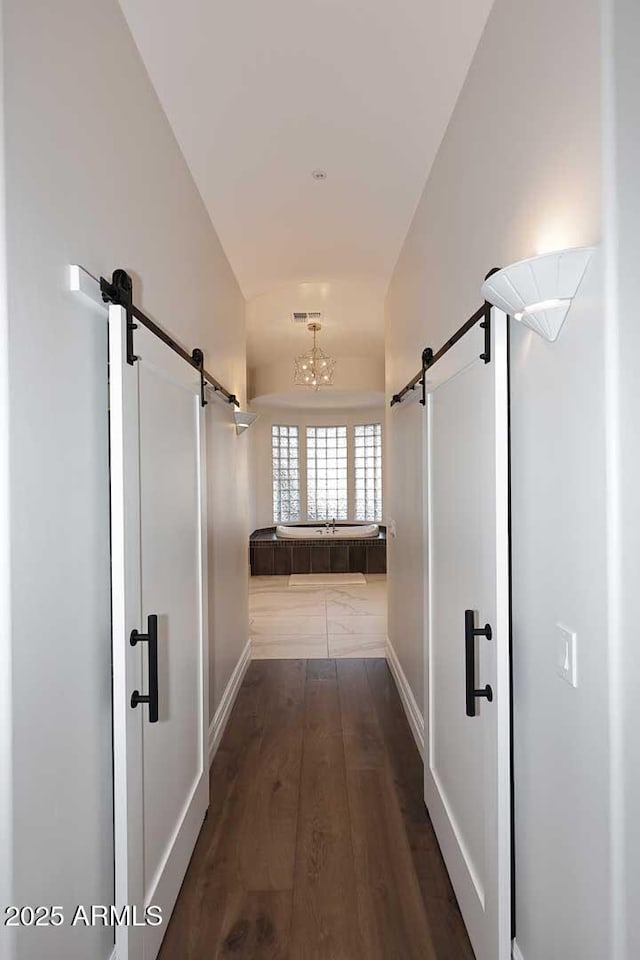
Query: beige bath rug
324, 579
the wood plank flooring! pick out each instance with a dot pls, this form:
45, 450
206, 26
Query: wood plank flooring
317, 845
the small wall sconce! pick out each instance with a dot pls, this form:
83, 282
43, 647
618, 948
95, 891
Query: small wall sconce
243, 420
538, 291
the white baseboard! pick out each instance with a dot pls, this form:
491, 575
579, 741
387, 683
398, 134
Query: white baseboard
221, 715
515, 951
411, 708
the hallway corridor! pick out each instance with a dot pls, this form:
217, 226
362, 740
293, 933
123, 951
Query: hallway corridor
317, 845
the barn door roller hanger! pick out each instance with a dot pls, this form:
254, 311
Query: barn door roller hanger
481, 316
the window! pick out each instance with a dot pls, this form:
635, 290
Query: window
367, 446
286, 473
327, 473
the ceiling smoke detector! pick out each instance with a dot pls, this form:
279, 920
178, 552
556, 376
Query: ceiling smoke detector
306, 316
319, 174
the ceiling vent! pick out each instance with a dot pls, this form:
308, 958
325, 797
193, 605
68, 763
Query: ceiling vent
306, 317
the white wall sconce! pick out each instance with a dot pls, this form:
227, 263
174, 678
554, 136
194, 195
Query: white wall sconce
243, 420
538, 291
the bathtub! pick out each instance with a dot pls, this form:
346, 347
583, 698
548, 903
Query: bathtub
354, 548
362, 531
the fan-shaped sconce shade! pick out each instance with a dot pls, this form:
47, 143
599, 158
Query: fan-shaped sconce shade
538, 291
243, 420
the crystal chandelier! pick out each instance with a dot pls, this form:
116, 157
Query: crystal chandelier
314, 369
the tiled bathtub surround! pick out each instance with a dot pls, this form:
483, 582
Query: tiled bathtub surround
269, 556
347, 620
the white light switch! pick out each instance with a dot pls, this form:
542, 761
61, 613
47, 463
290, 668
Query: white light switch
567, 663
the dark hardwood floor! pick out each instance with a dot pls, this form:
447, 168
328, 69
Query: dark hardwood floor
317, 845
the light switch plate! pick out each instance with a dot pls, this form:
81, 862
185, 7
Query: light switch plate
567, 654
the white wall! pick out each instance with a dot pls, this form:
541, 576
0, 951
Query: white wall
622, 163
94, 176
519, 170
228, 553
6, 826
352, 320
404, 508
354, 377
261, 476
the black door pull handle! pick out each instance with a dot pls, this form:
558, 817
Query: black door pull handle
150, 637
470, 633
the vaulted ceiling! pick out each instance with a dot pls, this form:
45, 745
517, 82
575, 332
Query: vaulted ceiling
260, 93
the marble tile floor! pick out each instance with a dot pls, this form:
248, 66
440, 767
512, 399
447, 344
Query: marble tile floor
315, 622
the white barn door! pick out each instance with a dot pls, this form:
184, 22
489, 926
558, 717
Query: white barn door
467, 673
159, 627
